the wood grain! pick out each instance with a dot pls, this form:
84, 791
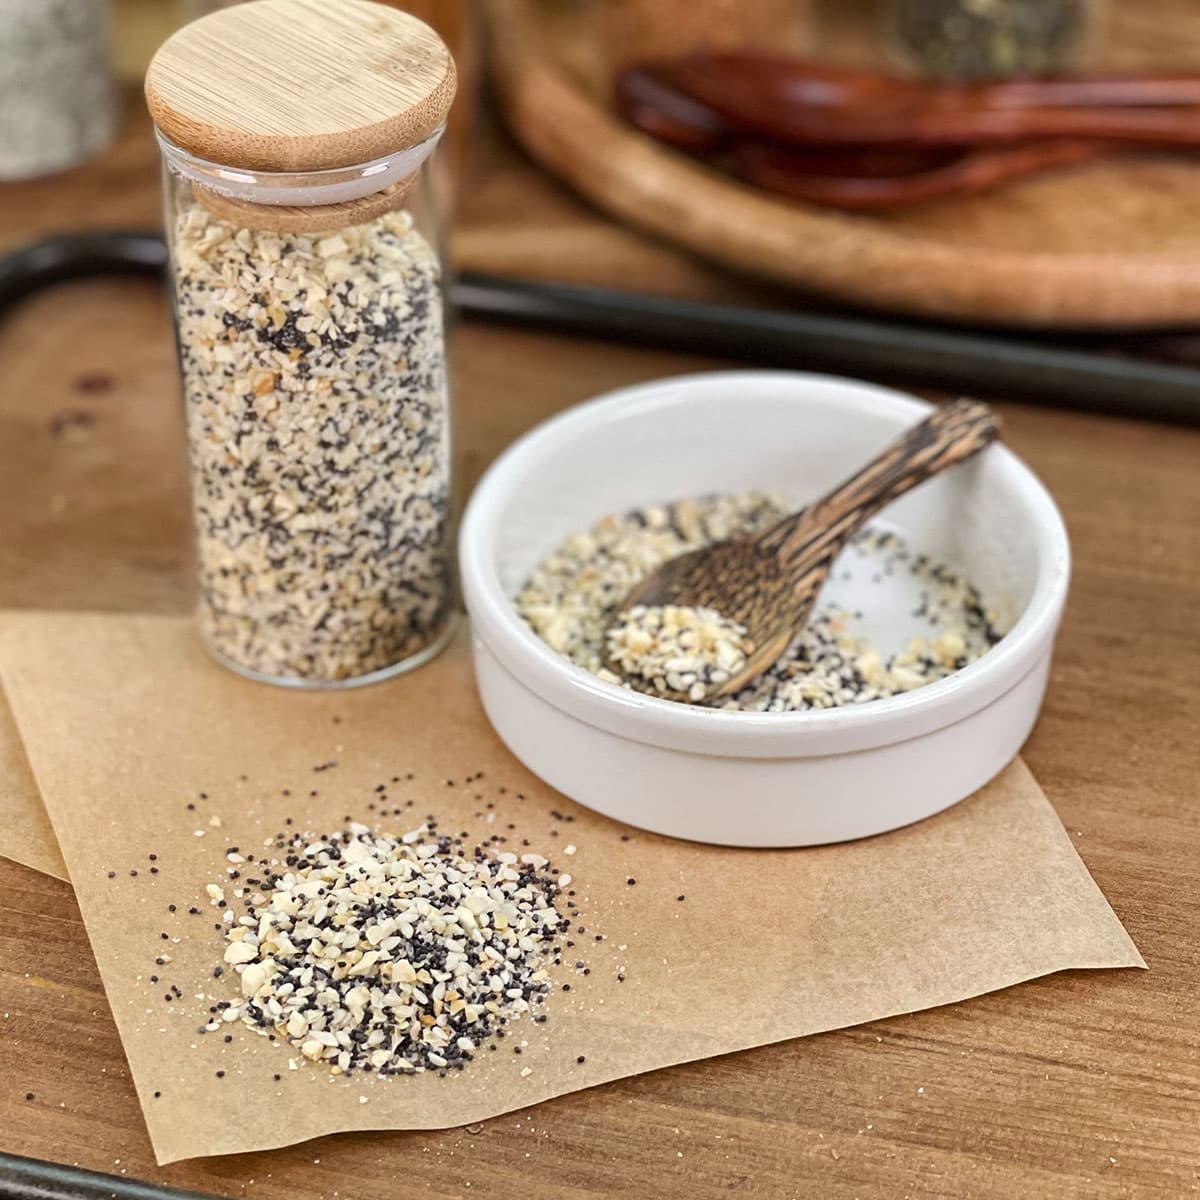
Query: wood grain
1079, 1085
300, 85
639, 30
1133, 259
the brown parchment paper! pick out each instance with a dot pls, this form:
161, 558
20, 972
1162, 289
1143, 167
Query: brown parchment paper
26, 835
127, 721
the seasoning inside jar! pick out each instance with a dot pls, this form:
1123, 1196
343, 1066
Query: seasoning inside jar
967, 39
309, 313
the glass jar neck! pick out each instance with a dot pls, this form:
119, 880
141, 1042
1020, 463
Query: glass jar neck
301, 189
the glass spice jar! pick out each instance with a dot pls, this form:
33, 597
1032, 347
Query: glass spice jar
980, 39
57, 103
304, 244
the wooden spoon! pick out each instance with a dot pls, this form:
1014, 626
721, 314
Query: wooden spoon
858, 178
804, 103
870, 179
768, 582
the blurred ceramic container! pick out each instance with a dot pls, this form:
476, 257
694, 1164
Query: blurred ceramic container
980, 39
57, 103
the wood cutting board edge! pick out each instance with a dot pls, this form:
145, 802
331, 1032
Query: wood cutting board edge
720, 219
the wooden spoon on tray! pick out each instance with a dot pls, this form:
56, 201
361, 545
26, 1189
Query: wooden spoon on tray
872, 178
768, 582
794, 102
770, 107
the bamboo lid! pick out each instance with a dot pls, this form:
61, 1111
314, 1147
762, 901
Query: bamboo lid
300, 85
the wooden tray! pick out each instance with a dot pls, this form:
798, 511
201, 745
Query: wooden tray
1109, 244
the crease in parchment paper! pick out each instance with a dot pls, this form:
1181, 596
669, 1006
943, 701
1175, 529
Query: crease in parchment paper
26, 835
126, 722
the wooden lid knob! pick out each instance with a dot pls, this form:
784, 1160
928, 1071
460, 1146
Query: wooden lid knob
300, 85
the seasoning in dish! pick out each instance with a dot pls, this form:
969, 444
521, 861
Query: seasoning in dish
569, 599
676, 649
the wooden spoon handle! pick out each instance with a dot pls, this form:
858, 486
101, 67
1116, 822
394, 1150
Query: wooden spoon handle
1161, 89
1165, 127
831, 178
780, 100
807, 542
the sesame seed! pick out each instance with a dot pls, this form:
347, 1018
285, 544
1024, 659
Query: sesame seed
571, 599
328, 355
426, 901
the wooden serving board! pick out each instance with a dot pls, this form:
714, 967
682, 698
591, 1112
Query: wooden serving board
1108, 244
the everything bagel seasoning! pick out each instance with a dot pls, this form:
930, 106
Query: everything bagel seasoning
570, 598
676, 649
315, 388
369, 952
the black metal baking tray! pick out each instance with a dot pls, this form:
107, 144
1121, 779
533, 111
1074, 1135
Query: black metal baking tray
32, 1179
1085, 372
1145, 375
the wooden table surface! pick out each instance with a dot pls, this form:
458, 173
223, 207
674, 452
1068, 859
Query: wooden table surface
1077, 1085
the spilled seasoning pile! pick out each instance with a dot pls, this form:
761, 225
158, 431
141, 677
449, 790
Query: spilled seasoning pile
570, 598
389, 954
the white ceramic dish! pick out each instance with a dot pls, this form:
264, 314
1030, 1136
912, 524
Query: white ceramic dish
771, 779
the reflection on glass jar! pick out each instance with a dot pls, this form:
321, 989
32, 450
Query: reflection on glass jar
310, 327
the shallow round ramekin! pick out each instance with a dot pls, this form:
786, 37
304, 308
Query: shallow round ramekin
758, 779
